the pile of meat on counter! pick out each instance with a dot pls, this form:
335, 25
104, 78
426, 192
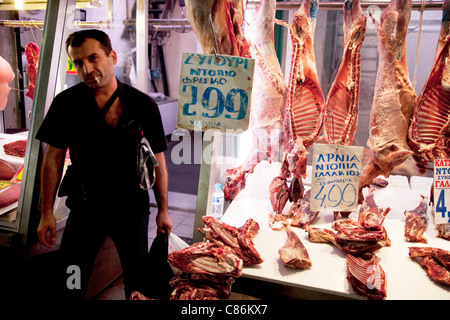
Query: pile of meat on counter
206, 270
10, 191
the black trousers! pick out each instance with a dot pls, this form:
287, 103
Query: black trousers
86, 230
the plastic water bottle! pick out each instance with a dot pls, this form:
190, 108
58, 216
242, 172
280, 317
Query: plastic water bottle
218, 200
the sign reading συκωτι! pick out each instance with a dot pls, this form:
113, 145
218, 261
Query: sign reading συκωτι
215, 92
441, 191
335, 177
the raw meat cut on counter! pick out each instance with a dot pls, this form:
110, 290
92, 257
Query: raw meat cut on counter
7, 170
268, 100
356, 237
304, 108
303, 214
195, 286
443, 231
435, 262
10, 195
355, 248
207, 257
370, 216
32, 54
429, 132
394, 97
16, 148
6, 75
239, 240
367, 277
416, 222
342, 104
293, 253
218, 26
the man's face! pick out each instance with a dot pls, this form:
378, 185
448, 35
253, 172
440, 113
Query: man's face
6, 75
93, 66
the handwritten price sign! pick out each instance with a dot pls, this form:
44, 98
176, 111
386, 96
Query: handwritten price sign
335, 177
441, 190
215, 90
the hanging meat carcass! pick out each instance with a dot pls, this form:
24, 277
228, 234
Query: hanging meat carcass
366, 277
394, 97
429, 132
32, 54
218, 26
268, 100
6, 75
304, 108
342, 102
416, 222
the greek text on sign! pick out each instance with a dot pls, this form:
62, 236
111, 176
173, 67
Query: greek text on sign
441, 191
335, 177
215, 90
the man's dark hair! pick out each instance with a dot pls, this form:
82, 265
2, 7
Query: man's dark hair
77, 38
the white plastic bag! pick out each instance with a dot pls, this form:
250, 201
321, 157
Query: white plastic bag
175, 244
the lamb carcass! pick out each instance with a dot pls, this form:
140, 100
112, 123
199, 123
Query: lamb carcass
429, 132
342, 102
207, 257
394, 97
367, 277
293, 253
239, 240
32, 54
304, 108
435, 261
6, 75
268, 100
416, 222
218, 26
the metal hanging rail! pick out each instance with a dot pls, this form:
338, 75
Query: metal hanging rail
294, 5
40, 24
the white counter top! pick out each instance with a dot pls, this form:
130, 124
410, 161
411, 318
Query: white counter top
405, 278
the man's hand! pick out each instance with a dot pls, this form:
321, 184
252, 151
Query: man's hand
163, 222
47, 230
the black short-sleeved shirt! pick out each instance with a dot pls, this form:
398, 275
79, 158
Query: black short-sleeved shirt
103, 159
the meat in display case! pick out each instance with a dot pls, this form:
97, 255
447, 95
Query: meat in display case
355, 90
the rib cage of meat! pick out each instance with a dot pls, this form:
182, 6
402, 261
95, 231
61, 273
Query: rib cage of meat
394, 97
367, 277
342, 102
227, 17
429, 132
304, 107
268, 99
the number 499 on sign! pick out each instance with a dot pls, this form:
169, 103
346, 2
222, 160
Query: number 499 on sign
442, 215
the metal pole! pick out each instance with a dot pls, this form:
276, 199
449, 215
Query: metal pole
142, 45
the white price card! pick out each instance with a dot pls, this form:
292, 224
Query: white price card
215, 90
441, 191
335, 177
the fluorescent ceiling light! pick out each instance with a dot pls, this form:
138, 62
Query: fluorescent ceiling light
18, 4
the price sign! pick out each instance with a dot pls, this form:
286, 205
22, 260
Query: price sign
215, 90
441, 191
335, 177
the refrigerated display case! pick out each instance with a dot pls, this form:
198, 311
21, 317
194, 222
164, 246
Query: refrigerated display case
327, 276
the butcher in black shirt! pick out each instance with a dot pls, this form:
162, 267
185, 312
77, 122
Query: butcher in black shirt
103, 135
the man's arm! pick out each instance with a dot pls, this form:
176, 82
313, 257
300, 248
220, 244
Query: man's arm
163, 221
51, 172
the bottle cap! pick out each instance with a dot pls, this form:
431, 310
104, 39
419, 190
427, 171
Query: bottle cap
217, 186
